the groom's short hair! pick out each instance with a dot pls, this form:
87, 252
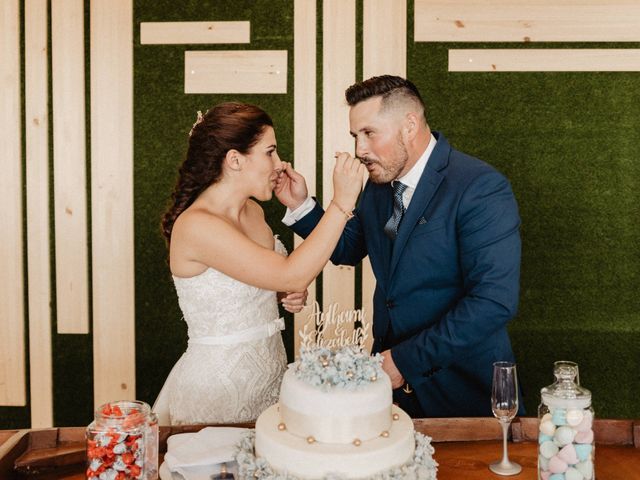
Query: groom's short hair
393, 90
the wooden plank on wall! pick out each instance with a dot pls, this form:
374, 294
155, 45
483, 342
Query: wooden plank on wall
384, 51
112, 199
235, 71
69, 160
304, 121
194, 32
517, 21
12, 361
37, 178
339, 70
545, 60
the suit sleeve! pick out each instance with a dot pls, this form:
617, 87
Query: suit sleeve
487, 231
351, 247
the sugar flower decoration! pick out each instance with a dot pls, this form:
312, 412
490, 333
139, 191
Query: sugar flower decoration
348, 367
421, 466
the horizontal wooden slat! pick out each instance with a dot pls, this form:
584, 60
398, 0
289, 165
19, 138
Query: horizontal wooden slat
530, 21
607, 432
194, 32
237, 71
459, 429
12, 355
545, 60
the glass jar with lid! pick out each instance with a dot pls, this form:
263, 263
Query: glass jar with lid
122, 442
566, 447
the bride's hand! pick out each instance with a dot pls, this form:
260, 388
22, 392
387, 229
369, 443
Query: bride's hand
348, 175
293, 302
291, 187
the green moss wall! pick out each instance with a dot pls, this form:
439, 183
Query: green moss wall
568, 142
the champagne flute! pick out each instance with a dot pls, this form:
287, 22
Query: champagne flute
504, 403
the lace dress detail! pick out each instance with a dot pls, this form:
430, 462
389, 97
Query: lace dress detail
223, 383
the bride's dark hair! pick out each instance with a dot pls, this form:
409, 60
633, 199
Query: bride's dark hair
227, 126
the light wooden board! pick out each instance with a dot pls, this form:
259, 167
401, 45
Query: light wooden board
112, 199
12, 354
531, 21
384, 38
37, 179
339, 69
235, 71
69, 160
194, 32
304, 121
545, 60
384, 51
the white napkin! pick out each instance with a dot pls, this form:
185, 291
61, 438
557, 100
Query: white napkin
197, 456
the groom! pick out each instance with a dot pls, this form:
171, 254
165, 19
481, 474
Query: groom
441, 230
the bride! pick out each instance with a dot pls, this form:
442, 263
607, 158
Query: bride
227, 266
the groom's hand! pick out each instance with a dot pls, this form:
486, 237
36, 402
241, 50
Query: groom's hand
293, 302
291, 187
389, 367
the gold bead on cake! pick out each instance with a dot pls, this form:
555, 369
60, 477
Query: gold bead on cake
311, 440
374, 378
357, 442
396, 416
282, 426
384, 434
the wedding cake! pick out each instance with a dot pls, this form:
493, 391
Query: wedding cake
335, 419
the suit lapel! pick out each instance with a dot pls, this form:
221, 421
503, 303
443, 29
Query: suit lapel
425, 190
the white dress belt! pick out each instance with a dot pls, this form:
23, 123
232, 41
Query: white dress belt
255, 333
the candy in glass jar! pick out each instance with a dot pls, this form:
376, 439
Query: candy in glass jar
566, 447
122, 442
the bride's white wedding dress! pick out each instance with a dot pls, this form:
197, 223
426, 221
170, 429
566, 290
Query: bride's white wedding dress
235, 360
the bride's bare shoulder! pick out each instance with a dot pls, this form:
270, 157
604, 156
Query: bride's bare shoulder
195, 222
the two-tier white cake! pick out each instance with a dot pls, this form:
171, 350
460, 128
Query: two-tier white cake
336, 418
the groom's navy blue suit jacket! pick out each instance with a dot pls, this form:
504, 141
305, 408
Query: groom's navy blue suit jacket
448, 285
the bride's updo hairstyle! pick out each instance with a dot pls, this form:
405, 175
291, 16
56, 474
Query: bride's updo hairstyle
227, 126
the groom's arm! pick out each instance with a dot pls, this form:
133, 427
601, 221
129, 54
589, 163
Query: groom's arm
351, 248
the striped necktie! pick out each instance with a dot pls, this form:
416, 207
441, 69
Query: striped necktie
391, 227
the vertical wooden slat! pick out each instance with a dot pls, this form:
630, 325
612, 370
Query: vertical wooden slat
69, 158
339, 68
112, 199
304, 120
384, 51
12, 363
37, 177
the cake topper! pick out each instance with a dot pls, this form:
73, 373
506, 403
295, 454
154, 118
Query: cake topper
334, 329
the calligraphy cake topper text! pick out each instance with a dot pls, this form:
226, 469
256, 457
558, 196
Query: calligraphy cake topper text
335, 329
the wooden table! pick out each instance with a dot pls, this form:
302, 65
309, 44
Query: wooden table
470, 460
464, 447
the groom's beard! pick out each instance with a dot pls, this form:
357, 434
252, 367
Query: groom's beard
386, 172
